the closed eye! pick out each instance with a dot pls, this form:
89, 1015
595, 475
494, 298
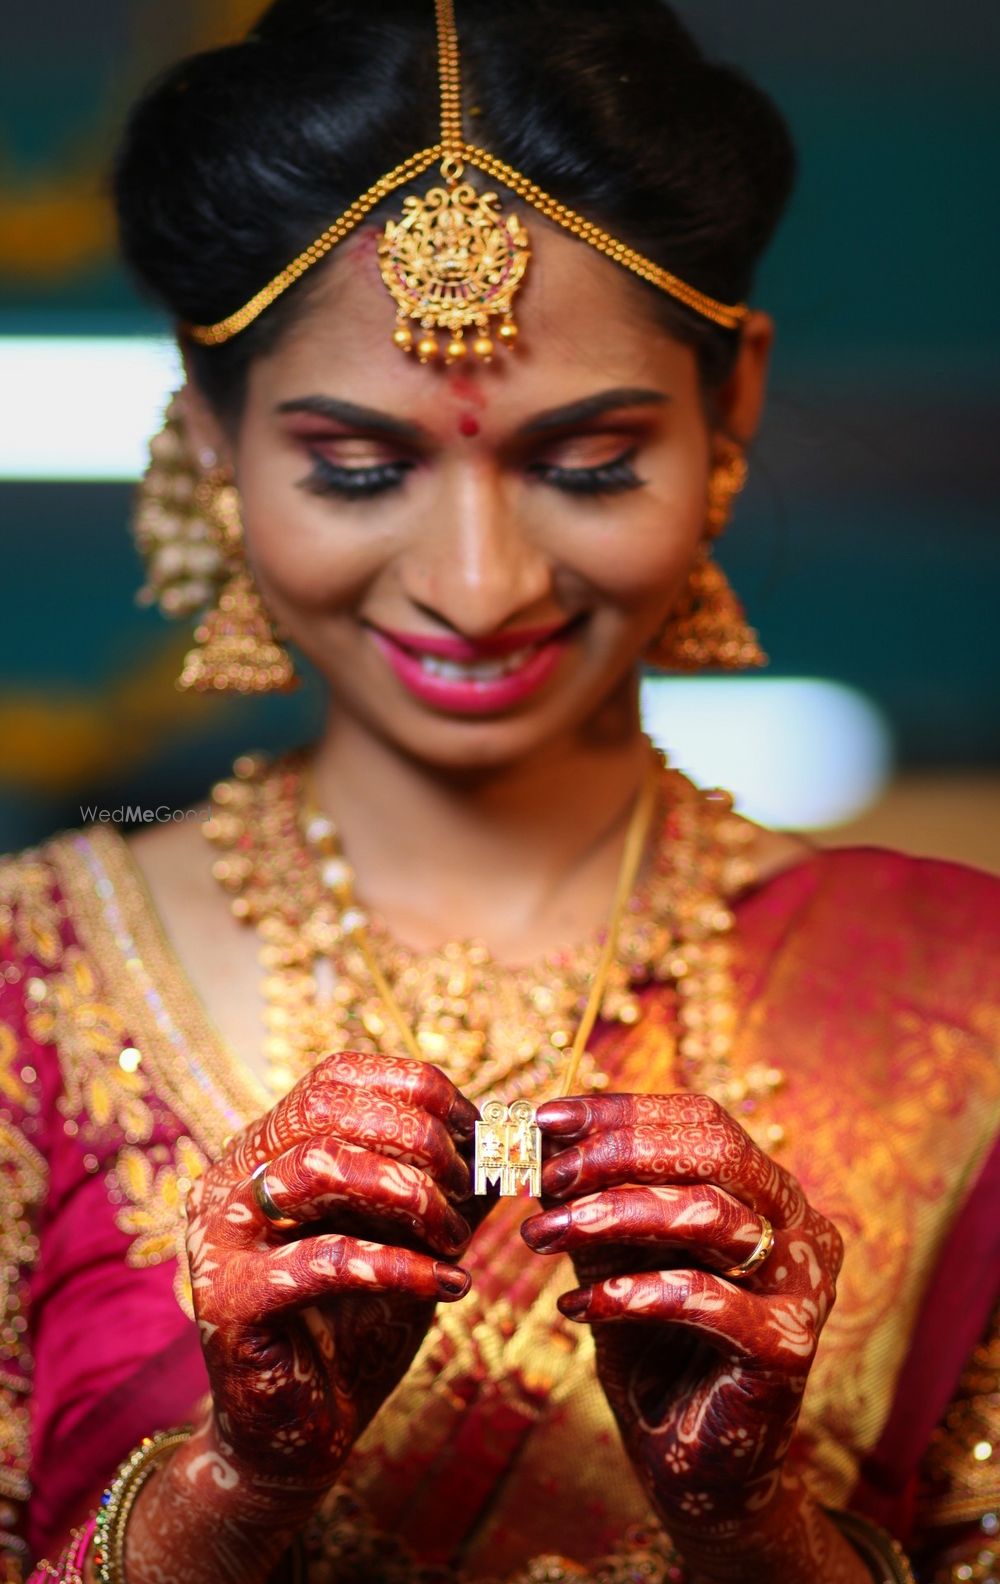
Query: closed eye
607, 478
378, 478
329, 478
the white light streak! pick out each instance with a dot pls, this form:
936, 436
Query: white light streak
82, 407
798, 753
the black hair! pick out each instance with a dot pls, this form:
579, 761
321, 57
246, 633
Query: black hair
236, 159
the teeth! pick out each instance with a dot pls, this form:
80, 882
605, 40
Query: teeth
481, 671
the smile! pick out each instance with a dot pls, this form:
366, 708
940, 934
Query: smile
459, 677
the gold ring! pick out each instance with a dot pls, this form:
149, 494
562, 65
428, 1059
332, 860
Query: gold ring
754, 1261
271, 1212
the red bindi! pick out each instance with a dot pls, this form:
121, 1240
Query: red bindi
468, 426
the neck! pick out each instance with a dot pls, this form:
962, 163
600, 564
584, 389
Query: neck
522, 856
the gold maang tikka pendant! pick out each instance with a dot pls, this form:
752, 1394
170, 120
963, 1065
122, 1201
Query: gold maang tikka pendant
453, 263
508, 1149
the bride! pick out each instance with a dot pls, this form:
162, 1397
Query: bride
275, 1081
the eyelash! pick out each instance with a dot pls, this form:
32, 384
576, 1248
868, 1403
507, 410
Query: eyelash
611, 478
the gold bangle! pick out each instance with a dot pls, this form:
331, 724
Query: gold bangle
119, 1499
882, 1554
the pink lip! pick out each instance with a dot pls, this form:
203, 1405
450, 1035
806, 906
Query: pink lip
473, 698
467, 652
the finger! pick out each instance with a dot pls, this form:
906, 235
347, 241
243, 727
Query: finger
301, 1273
304, 1111
356, 1115
774, 1333
326, 1180
670, 1139
702, 1220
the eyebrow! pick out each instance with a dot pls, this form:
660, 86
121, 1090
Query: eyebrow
352, 415
593, 407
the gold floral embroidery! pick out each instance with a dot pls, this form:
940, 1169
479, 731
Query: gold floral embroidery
153, 1216
71, 1008
28, 907
23, 1179
12, 1090
961, 1473
89, 1035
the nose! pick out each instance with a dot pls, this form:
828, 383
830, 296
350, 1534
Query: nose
473, 564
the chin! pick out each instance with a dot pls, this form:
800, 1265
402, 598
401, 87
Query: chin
458, 743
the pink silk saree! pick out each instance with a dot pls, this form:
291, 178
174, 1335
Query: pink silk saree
870, 978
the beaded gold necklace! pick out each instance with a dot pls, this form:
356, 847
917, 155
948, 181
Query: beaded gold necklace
493, 1029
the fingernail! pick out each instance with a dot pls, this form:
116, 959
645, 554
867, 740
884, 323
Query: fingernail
563, 1116
463, 1117
560, 1174
543, 1232
453, 1282
574, 1305
457, 1229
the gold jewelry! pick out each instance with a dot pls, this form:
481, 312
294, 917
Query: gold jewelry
188, 531
184, 562
119, 1499
877, 1549
264, 1201
708, 626
755, 1260
455, 260
496, 1031
508, 1141
236, 649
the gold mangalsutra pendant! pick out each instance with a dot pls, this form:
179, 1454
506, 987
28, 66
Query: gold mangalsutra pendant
453, 262
509, 1149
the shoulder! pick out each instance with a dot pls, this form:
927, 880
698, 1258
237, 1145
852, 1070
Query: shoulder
885, 926
923, 894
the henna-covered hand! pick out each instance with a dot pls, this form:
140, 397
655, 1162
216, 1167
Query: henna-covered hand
306, 1330
654, 1197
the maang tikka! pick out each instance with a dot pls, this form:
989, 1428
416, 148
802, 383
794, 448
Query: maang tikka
454, 260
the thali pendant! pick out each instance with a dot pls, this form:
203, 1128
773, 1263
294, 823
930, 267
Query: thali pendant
509, 1149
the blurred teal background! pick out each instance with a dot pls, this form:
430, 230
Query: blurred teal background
866, 547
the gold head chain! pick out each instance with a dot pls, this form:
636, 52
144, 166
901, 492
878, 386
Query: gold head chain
454, 261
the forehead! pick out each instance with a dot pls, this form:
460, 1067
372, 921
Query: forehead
584, 322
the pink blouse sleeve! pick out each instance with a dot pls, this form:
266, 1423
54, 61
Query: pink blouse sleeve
29, 935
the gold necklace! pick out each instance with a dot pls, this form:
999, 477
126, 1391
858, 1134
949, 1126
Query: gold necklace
495, 1030
508, 1141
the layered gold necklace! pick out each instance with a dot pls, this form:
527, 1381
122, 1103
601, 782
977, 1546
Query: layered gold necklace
335, 978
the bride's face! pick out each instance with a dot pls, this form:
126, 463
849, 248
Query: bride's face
475, 558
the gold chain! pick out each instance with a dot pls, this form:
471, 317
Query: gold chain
635, 843
450, 74
726, 315
454, 154
493, 1029
215, 335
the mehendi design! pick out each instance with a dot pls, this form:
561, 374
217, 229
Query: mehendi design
305, 1331
653, 1196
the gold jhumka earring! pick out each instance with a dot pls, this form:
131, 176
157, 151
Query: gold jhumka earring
236, 649
709, 628
188, 529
